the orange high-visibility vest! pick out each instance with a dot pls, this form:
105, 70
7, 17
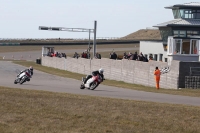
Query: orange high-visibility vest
157, 74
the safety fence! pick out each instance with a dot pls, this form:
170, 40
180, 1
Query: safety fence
129, 71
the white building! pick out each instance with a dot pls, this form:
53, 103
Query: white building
180, 37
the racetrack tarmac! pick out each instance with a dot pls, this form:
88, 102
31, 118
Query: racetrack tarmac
48, 82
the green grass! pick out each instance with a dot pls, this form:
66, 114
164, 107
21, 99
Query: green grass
31, 111
67, 74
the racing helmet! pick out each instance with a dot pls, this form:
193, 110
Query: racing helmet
31, 68
101, 70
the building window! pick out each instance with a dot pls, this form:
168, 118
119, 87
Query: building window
187, 13
179, 33
194, 46
192, 33
170, 46
176, 33
177, 47
182, 33
165, 32
176, 13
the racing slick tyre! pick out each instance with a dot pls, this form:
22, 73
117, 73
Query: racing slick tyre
82, 86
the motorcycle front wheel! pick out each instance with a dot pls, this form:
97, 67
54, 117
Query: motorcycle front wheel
23, 80
93, 85
82, 86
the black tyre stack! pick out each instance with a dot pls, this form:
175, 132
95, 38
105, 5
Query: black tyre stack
192, 82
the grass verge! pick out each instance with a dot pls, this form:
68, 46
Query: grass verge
39, 111
67, 74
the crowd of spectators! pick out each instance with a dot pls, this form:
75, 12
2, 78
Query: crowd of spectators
113, 55
86, 55
135, 56
130, 56
56, 54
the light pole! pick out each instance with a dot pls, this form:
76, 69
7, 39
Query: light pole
94, 41
76, 30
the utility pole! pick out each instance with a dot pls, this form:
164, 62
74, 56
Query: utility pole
94, 41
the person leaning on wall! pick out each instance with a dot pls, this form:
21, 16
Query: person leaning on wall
157, 77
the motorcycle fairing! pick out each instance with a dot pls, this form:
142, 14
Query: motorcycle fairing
87, 85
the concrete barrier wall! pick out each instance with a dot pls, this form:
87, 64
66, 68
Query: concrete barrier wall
129, 71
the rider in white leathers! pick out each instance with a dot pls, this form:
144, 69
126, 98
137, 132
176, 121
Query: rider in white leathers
94, 73
30, 69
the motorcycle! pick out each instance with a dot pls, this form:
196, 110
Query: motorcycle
92, 82
23, 77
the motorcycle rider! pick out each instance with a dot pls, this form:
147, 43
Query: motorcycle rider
95, 73
30, 69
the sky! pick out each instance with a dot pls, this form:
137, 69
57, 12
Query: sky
115, 18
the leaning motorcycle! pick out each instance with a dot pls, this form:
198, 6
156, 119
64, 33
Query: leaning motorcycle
92, 83
23, 77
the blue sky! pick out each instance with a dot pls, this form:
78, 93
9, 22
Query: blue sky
115, 18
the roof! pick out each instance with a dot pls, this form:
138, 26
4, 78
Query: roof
144, 34
180, 22
191, 4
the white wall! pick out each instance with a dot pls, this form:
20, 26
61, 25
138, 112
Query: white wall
147, 47
130, 71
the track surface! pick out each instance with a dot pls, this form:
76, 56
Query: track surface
48, 82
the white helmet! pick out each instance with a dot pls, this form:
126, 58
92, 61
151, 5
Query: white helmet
31, 68
101, 70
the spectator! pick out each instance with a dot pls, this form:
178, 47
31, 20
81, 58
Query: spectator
84, 55
129, 55
135, 56
150, 57
76, 55
125, 56
114, 55
64, 55
145, 59
98, 56
54, 54
140, 57
111, 55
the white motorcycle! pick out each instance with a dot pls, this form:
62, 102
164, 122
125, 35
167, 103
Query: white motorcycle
23, 77
92, 82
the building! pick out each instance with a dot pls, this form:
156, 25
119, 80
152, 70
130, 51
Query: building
180, 37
